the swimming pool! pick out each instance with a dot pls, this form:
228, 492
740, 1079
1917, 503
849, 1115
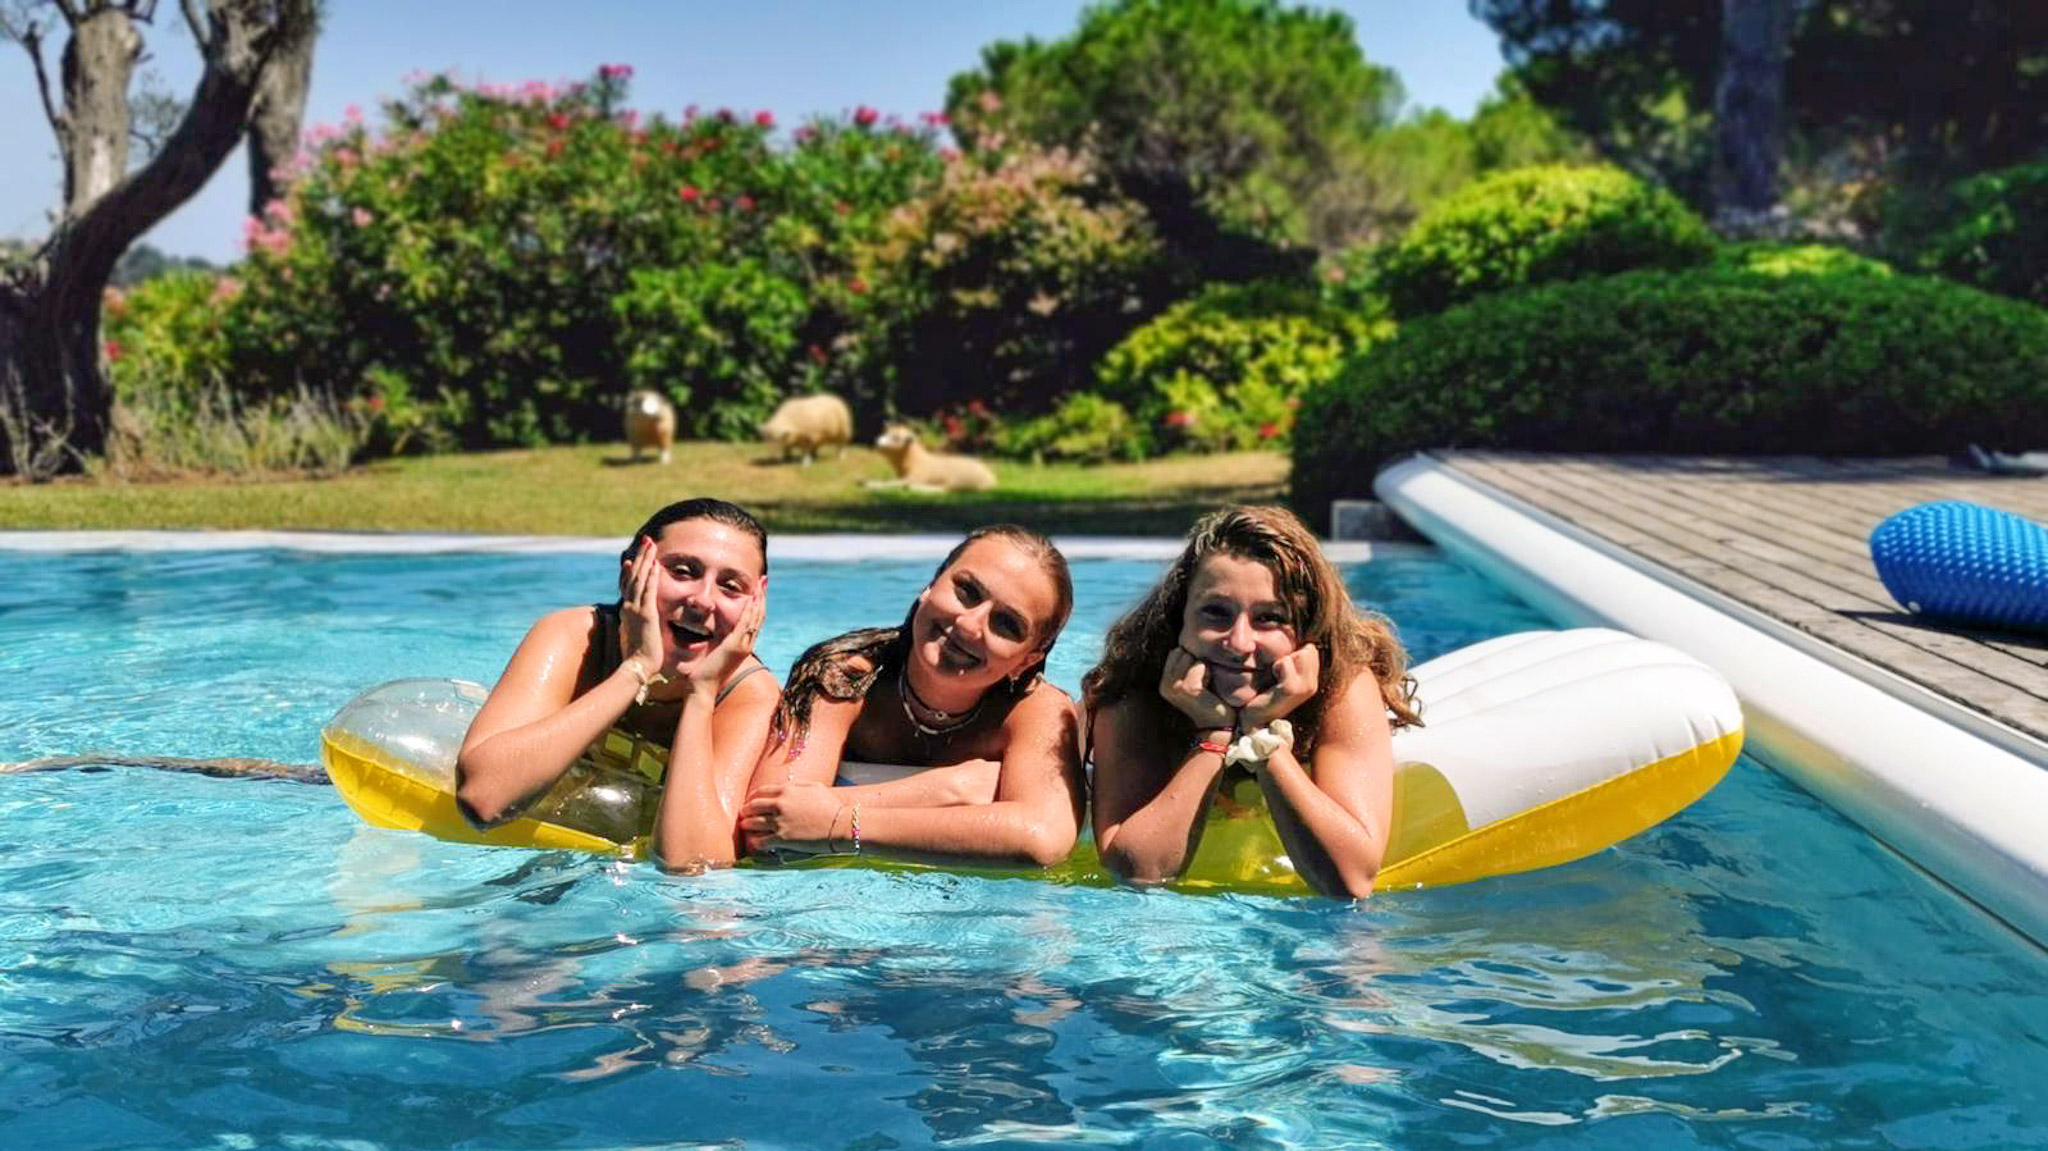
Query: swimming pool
188, 961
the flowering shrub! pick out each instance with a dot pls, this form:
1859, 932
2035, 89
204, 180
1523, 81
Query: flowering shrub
166, 337
500, 264
1226, 369
1003, 283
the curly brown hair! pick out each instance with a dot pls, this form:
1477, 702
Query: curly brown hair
844, 667
1351, 640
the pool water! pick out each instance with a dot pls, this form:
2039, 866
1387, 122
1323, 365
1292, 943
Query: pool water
200, 962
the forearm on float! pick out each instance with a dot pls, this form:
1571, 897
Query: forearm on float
1333, 849
503, 771
695, 825
1154, 842
971, 782
1016, 833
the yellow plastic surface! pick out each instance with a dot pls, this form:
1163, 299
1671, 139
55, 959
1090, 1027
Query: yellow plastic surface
1430, 845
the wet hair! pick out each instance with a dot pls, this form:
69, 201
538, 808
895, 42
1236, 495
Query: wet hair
701, 508
1349, 639
843, 668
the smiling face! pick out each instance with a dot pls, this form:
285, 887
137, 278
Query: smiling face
707, 571
983, 619
1236, 622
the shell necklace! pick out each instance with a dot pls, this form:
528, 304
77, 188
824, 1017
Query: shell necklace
942, 722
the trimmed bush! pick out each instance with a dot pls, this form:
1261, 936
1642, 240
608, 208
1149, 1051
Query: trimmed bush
1769, 259
1536, 225
1226, 369
1990, 231
1705, 361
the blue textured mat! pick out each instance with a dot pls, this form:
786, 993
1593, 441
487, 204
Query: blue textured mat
1965, 563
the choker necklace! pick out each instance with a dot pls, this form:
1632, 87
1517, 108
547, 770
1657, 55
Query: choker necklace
944, 722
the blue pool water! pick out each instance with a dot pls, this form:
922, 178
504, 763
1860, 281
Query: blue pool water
198, 962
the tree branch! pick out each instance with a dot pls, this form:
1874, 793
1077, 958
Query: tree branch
70, 10
32, 42
193, 21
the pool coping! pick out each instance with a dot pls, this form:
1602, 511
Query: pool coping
781, 545
1958, 798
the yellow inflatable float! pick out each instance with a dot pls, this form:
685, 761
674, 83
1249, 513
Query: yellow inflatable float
1540, 748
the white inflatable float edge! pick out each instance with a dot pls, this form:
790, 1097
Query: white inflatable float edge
1960, 795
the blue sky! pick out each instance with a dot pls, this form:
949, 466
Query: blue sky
791, 57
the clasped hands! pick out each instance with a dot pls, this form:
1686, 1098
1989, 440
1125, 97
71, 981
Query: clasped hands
1184, 683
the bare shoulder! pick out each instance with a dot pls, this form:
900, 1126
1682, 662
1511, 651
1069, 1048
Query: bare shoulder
1046, 706
1356, 713
570, 625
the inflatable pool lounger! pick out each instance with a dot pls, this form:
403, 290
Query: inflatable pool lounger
1539, 748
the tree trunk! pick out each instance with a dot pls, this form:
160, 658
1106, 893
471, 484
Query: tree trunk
55, 403
275, 122
99, 61
1748, 104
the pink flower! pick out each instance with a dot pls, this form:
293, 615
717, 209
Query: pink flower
361, 217
114, 301
559, 121
865, 116
711, 205
744, 203
725, 115
949, 155
935, 119
765, 119
629, 120
806, 134
353, 114
615, 72
113, 350
688, 192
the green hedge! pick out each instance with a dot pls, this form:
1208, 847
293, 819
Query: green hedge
1536, 225
1703, 361
1226, 369
1990, 231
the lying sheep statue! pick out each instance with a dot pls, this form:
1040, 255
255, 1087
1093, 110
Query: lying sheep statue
808, 423
650, 423
926, 471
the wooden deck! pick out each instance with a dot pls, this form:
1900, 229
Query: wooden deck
1788, 536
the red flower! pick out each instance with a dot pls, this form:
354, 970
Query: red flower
765, 119
1268, 430
858, 286
976, 407
1178, 419
376, 403
559, 121
843, 208
818, 355
711, 205
864, 115
744, 203
114, 351
689, 193
555, 147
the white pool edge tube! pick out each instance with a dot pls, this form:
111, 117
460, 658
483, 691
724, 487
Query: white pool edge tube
1960, 795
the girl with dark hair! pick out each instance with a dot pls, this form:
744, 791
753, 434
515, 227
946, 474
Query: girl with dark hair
664, 681
956, 690
1249, 656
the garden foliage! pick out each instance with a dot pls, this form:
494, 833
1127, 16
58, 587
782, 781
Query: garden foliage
1534, 225
1227, 368
1698, 361
1989, 231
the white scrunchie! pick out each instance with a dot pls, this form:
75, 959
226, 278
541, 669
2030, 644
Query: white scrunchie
1259, 744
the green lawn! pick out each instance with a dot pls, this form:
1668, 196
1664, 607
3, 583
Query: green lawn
593, 490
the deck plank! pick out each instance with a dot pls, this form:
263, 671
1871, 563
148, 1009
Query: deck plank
1788, 536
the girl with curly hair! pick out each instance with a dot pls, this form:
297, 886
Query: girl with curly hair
1249, 656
